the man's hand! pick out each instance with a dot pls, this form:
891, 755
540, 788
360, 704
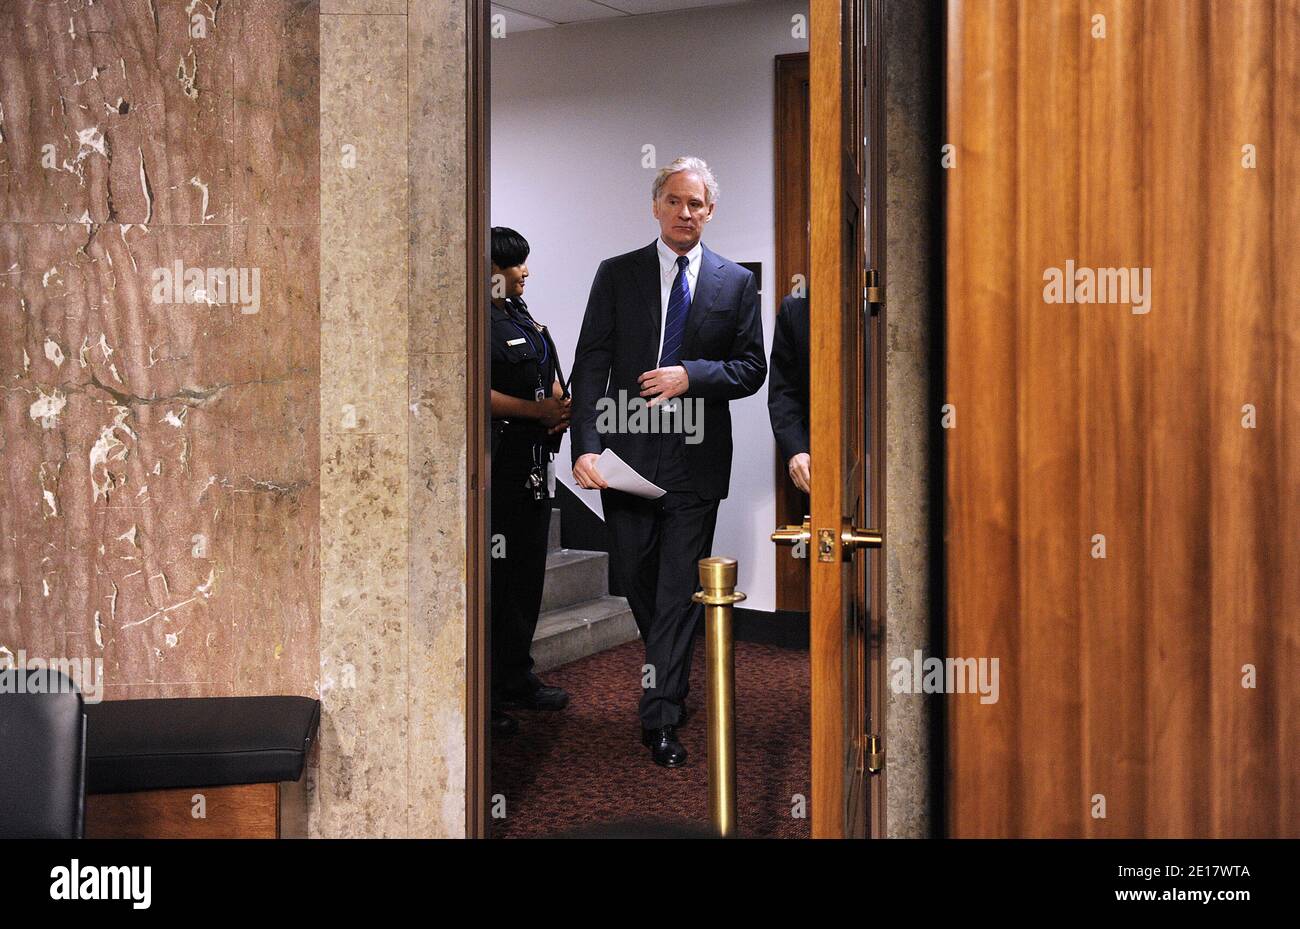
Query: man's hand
800, 467
585, 473
664, 383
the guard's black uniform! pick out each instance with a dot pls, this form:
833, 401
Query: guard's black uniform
523, 362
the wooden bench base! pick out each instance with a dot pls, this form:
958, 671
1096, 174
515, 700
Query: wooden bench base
242, 811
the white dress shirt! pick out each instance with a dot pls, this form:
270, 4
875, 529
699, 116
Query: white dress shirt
668, 274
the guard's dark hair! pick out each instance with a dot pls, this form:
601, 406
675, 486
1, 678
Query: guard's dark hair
509, 248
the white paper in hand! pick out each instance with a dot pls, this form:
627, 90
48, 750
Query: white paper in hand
619, 475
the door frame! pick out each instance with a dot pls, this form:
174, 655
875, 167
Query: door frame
478, 414
877, 174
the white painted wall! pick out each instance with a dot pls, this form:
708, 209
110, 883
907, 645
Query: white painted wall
572, 108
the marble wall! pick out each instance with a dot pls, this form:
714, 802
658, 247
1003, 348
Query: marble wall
914, 370
253, 492
392, 427
159, 450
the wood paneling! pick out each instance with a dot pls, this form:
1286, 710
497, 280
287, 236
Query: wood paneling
1111, 400
1122, 677
243, 811
1286, 220
1176, 471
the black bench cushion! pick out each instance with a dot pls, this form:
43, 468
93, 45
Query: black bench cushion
197, 742
42, 756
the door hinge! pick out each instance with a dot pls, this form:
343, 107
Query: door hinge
875, 760
873, 295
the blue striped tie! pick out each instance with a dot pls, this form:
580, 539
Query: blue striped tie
679, 307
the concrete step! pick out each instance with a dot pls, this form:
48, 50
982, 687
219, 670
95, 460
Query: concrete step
574, 576
582, 629
553, 542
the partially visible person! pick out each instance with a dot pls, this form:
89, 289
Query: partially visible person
787, 390
529, 413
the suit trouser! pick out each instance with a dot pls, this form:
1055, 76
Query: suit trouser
657, 546
523, 524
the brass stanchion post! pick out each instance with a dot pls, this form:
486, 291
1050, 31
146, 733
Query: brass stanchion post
718, 578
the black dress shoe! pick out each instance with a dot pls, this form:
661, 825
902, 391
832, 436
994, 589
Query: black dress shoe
503, 723
539, 698
664, 747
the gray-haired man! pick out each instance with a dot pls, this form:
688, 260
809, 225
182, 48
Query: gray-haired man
672, 319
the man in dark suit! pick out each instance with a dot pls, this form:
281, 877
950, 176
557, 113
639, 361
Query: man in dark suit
673, 324
787, 392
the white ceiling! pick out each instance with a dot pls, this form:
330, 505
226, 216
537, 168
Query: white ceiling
522, 15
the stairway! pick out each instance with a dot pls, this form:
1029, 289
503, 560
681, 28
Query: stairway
579, 617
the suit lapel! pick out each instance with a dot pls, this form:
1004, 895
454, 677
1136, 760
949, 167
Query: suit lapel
647, 279
706, 291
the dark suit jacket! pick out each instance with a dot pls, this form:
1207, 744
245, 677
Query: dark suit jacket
787, 393
722, 352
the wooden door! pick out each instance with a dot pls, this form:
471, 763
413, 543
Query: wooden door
843, 557
1123, 477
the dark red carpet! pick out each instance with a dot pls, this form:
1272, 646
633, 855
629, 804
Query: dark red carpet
585, 765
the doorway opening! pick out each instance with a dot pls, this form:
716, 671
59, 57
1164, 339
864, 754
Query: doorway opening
571, 123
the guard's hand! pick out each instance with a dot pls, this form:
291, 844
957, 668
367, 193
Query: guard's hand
800, 467
664, 383
563, 424
552, 411
585, 473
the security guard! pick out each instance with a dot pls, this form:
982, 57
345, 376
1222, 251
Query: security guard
530, 411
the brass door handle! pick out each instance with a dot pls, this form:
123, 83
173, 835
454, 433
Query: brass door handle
794, 534
852, 537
